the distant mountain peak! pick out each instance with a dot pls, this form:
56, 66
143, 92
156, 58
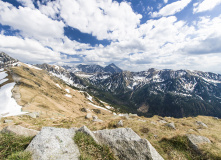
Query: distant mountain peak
112, 68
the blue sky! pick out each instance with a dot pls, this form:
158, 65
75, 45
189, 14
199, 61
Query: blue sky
133, 34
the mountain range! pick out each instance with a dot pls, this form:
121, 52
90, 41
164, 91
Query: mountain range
176, 93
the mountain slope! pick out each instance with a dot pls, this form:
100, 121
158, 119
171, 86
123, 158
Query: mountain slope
165, 92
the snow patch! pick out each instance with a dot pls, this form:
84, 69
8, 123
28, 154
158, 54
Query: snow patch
3, 75
67, 90
2, 69
3, 81
9, 106
84, 75
89, 97
99, 107
109, 107
58, 86
68, 95
33, 67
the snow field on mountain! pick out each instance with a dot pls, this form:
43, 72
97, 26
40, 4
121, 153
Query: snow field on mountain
99, 107
8, 106
3, 76
33, 67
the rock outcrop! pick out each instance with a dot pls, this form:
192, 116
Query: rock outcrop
54, 144
127, 145
19, 130
195, 141
57, 143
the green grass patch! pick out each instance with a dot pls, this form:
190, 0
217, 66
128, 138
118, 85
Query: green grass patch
20, 156
180, 145
90, 150
13, 146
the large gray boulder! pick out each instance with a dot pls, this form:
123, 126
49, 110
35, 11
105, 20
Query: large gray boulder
127, 145
54, 144
195, 141
19, 130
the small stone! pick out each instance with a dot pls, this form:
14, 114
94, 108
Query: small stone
8, 121
216, 118
162, 121
83, 109
120, 123
95, 117
88, 116
152, 122
171, 125
155, 136
201, 124
32, 115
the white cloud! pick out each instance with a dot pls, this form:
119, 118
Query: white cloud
165, 1
165, 42
172, 8
104, 19
31, 23
27, 50
206, 5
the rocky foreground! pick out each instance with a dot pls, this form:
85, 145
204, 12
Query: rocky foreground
58, 143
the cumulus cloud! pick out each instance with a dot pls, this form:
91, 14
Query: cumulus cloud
206, 5
103, 19
31, 23
172, 8
165, 42
27, 50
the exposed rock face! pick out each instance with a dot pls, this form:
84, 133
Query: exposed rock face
6, 60
19, 130
195, 141
127, 145
54, 144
